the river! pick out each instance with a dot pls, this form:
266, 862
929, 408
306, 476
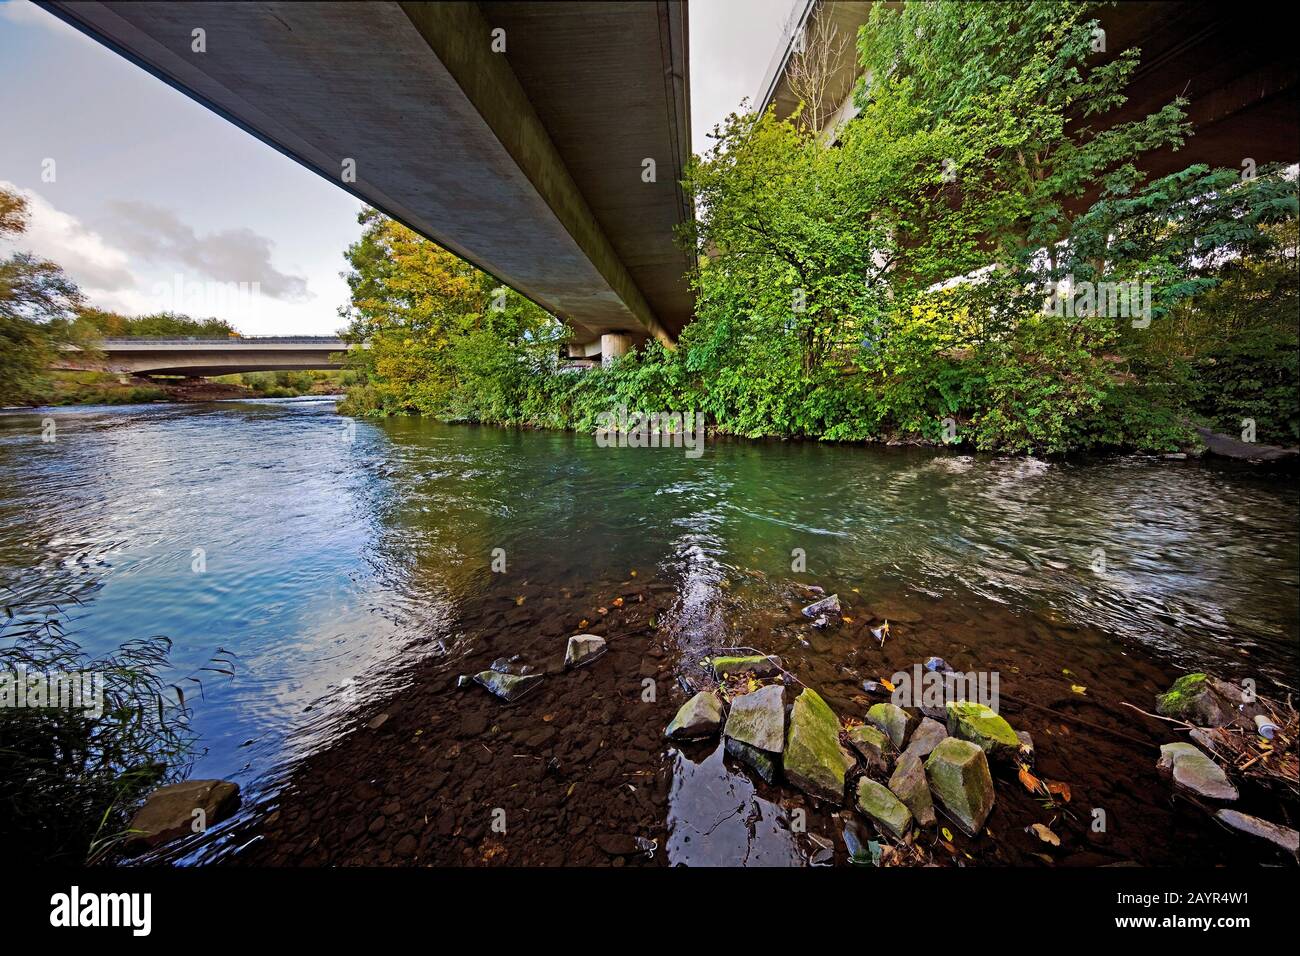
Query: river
322, 555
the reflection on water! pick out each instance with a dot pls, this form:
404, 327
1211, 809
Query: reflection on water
329, 550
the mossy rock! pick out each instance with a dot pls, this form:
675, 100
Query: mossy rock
758, 719
983, 727
872, 744
958, 772
895, 722
813, 761
885, 810
760, 665
1194, 698
701, 716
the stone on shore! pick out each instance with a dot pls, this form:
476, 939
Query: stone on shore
958, 772
893, 720
813, 761
1194, 772
908, 783
827, 606
872, 744
759, 665
982, 725
757, 719
583, 649
1197, 699
169, 812
885, 810
509, 687
760, 761
701, 716
1283, 837
925, 738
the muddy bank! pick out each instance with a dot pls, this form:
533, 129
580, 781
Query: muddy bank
578, 772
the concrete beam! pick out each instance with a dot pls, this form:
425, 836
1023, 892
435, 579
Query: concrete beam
447, 139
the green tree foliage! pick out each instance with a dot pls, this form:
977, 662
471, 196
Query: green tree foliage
35, 298
442, 337
913, 277
158, 325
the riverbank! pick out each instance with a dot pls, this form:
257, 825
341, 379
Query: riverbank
578, 771
105, 388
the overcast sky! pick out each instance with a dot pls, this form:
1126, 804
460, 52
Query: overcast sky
151, 195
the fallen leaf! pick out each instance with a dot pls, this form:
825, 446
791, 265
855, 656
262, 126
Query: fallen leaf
583, 623
1061, 790
632, 572
1078, 688
519, 600
947, 834
1032, 783
602, 611
547, 718
887, 685
847, 620
1043, 833
617, 602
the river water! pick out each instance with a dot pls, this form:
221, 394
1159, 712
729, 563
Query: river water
322, 555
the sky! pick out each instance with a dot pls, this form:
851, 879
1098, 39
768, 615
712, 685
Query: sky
151, 202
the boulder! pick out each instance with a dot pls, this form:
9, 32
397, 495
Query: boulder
1199, 700
958, 772
813, 761
925, 738
171, 812
982, 725
758, 664
893, 720
828, 607
885, 810
872, 744
760, 761
509, 687
701, 716
908, 783
1280, 836
758, 719
583, 649
1194, 772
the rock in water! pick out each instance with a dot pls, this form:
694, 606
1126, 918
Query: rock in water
884, 809
895, 722
925, 738
981, 725
872, 744
701, 716
583, 649
908, 783
1195, 699
168, 812
757, 664
1280, 836
509, 687
760, 761
813, 761
1194, 772
959, 778
828, 606
757, 719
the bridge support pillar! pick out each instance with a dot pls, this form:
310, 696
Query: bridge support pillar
614, 345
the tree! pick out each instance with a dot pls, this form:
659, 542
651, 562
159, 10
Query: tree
35, 297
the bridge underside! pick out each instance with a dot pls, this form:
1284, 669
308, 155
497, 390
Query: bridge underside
530, 163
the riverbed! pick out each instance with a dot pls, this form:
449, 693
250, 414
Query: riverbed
346, 568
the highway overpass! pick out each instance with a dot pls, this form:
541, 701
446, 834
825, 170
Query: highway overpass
543, 142
1240, 77
198, 357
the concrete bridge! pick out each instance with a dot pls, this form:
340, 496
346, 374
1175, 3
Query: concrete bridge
543, 142
199, 357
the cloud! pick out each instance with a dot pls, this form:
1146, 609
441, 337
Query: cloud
158, 236
98, 267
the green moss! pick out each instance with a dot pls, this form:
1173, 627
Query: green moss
1185, 690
